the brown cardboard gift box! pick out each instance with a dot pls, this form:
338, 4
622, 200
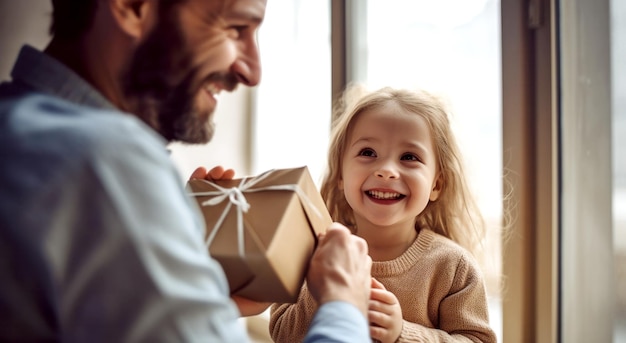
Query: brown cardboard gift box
263, 230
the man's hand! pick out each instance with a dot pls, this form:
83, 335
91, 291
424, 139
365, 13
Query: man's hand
340, 269
249, 307
216, 173
385, 314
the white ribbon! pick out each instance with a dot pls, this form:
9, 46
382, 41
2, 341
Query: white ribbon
236, 197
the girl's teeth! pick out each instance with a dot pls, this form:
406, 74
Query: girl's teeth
384, 195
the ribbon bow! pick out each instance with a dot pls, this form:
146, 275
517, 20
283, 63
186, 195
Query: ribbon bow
235, 196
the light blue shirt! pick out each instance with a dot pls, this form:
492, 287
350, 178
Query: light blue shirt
98, 239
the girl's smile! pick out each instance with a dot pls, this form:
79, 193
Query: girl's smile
384, 195
389, 169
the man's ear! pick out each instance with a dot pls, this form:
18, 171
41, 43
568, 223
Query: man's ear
437, 187
134, 17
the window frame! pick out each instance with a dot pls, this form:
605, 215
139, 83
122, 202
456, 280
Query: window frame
530, 189
587, 284
547, 47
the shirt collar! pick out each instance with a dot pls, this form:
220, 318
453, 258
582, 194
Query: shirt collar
44, 73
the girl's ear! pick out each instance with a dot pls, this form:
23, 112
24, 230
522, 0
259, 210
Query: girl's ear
134, 17
437, 187
340, 184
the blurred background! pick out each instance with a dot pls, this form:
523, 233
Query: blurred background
285, 121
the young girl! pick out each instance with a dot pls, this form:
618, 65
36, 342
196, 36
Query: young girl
395, 177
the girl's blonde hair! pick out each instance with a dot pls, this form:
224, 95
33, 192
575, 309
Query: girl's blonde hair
455, 213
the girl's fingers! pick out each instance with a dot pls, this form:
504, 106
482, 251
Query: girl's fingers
376, 318
383, 296
377, 284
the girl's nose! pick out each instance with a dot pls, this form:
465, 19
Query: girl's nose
386, 172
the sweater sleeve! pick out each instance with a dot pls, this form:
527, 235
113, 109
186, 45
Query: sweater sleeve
463, 315
290, 322
303, 321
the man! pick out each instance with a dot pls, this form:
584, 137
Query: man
98, 239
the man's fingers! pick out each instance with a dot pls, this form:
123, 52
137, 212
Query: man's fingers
337, 229
340, 268
219, 173
229, 174
216, 173
199, 173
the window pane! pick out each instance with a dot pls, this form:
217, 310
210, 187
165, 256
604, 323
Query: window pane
455, 53
292, 122
292, 105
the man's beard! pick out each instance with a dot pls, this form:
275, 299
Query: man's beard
159, 86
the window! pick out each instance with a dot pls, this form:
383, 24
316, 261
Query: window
422, 44
398, 43
513, 83
293, 101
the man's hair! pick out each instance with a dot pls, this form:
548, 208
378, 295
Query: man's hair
72, 18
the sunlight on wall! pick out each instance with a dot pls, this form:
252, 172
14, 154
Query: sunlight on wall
293, 100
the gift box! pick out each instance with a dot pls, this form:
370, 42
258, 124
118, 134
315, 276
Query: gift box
263, 230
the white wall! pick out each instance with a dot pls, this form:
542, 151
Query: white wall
21, 21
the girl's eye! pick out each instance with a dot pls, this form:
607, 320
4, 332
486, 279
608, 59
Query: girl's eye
367, 152
410, 157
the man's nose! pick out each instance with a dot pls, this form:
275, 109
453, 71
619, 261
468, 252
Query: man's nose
247, 67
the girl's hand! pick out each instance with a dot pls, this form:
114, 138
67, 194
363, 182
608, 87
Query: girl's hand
385, 314
216, 173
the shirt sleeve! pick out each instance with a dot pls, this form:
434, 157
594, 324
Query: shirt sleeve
130, 258
338, 322
99, 240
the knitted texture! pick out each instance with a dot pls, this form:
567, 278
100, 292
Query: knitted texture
440, 288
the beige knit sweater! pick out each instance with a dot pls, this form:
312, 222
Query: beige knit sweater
438, 284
